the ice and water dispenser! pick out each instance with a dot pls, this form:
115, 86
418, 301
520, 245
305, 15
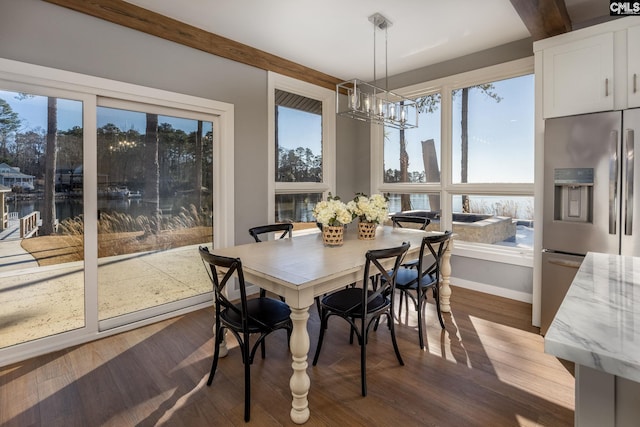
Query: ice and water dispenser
573, 194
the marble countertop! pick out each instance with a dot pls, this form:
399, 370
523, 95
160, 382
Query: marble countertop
598, 323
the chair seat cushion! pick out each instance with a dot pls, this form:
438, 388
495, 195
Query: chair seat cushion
262, 311
410, 264
343, 301
406, 279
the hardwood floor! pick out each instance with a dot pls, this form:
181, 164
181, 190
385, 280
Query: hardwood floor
487, 368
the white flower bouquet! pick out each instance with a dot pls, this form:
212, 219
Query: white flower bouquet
332, 212
373, 209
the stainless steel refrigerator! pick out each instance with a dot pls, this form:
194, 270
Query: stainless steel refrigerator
589, 204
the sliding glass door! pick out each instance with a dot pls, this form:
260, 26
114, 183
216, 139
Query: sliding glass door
106, 191
155, 204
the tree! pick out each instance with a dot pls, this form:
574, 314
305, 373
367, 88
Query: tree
49, 211
487, 89
30, 150
198, 169
9, 123
299, 165
427, 104
152, 171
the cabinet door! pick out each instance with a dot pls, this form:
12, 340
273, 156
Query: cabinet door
578, 77
633, 61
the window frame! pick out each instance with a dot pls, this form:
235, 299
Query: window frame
328, 99
446, 188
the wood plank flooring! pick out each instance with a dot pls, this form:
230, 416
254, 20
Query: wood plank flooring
487, 368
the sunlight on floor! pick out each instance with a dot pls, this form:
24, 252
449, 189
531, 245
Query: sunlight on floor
522, 351
180, 402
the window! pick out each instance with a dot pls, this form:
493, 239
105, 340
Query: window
481, 165
298, 138
492, 132
41, 162
413, 155
301, 149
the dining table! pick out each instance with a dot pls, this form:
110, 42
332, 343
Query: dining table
303, 267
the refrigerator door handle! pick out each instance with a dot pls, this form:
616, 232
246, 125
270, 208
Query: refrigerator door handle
628, 203
565, 263
613, 181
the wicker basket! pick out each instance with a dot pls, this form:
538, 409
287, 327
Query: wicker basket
333, 235
367, 230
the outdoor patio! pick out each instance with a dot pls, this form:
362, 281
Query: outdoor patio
42, 301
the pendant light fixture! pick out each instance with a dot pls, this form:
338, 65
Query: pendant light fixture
369, 103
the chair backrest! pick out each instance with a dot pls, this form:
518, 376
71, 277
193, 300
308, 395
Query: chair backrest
225, 267
436, 245
285, 227
373, 266
399, 220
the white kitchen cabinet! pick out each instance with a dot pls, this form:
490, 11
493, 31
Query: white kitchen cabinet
633, 64
578, 76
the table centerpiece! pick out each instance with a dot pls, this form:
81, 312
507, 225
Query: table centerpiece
334, 216
370, 212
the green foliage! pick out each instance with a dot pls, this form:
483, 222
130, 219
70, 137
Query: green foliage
9, 123
299, 165
486, 88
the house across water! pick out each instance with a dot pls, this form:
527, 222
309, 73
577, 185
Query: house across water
12, 177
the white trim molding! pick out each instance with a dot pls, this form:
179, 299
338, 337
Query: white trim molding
327, 97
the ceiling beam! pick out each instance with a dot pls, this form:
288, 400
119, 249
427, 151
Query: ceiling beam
543, 18
140, 19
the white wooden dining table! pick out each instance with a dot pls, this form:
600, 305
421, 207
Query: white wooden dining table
301, 268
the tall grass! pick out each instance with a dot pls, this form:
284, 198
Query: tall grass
121, 233
120, 222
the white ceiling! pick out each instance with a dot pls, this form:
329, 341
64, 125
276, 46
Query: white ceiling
336, 37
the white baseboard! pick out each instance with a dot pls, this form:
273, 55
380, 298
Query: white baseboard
492, 290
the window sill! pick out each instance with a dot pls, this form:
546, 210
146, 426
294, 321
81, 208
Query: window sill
506, 255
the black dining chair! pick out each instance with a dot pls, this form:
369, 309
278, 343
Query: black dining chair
257, 316
416, 282
403, 221
361, 307
286, 228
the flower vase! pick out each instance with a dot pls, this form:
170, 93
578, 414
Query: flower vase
367, 230
333, 235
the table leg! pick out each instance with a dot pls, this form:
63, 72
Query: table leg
445, 289
299, 382
223, 344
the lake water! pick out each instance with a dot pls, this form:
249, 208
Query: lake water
72, 207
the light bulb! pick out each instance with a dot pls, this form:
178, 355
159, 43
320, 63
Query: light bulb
354, 99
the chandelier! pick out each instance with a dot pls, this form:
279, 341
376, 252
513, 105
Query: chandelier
372, 104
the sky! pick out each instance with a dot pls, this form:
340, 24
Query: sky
499, 132
32, 111
299, 129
